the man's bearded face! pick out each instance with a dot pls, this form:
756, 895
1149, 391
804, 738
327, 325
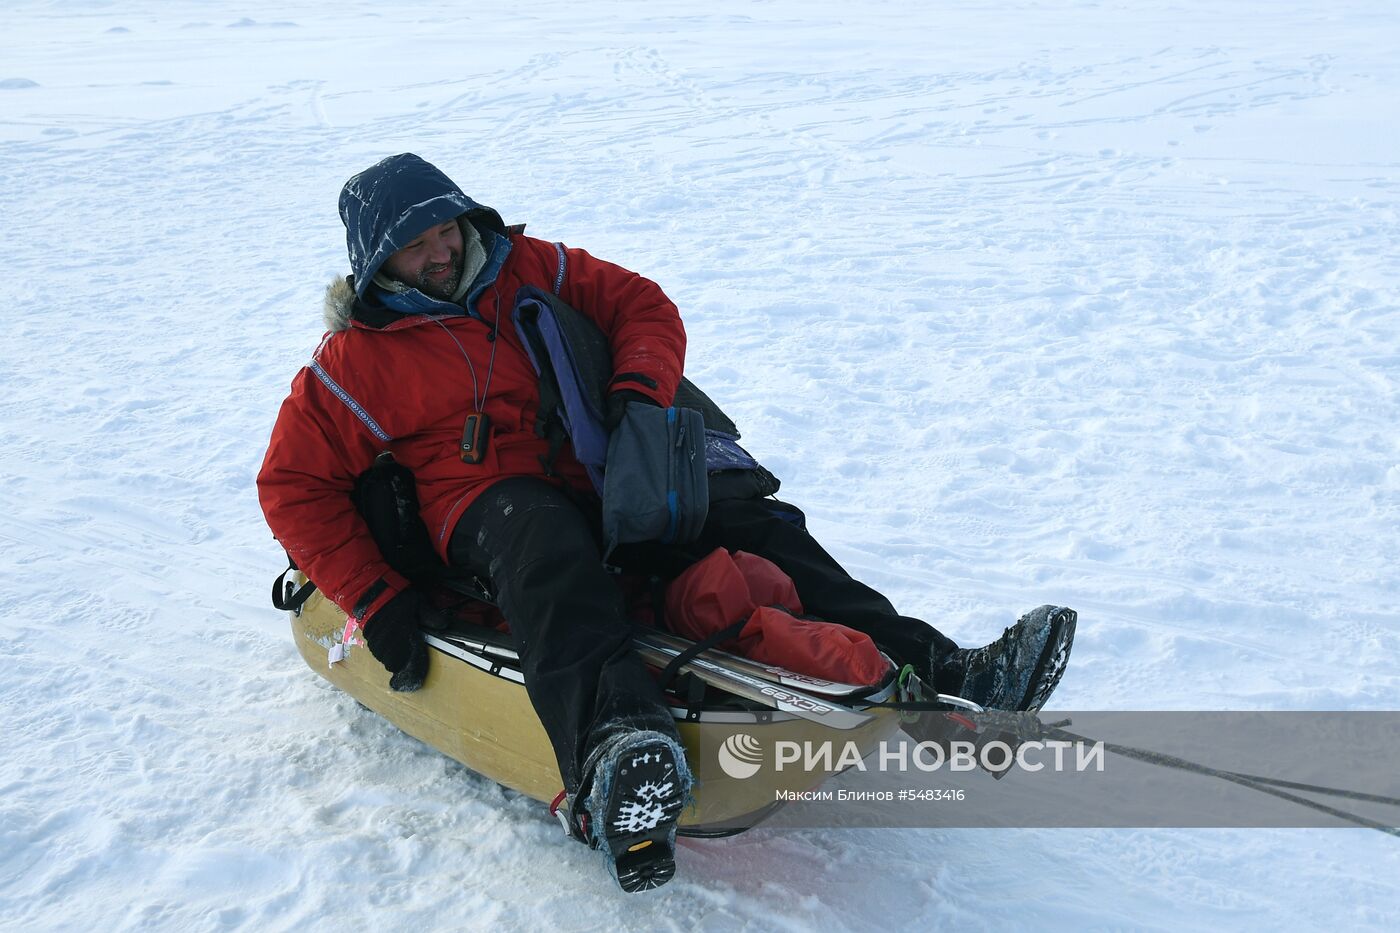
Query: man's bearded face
432, 262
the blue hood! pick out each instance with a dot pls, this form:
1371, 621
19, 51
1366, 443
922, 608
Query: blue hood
391, 203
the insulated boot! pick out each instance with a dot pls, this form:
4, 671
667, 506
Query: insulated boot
640, 784
1019, 670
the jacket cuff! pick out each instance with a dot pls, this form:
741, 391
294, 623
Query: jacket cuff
640, 383
377, 594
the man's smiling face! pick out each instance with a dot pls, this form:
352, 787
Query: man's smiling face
431, 262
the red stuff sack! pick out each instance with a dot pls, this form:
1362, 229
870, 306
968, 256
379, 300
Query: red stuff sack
726, 588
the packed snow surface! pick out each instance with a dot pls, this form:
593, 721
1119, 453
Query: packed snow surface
1092, 303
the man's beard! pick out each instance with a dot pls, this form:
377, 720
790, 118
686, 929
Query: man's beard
441, 288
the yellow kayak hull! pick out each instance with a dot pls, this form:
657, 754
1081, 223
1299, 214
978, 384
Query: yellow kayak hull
475, 710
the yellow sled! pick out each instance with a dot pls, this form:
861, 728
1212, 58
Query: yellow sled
473, 708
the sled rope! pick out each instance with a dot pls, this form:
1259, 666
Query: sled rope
1265, 785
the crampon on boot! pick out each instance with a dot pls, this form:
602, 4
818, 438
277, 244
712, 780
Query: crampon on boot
1019, 670
640, 783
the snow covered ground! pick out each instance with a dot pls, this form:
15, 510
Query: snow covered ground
1081, 302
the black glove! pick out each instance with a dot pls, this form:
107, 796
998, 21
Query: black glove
393, 638
617, 406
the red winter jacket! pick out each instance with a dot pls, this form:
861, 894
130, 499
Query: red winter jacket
382, 380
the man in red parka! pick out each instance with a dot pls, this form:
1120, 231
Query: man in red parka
420, 360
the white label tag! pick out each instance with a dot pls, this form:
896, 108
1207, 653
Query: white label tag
337, 652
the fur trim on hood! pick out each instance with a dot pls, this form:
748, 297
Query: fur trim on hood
340, 304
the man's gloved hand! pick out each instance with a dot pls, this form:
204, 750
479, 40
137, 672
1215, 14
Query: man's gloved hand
617, 406
394, 640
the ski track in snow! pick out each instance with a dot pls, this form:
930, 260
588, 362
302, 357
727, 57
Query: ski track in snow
1087, 303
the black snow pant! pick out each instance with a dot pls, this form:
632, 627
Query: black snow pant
539, 550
